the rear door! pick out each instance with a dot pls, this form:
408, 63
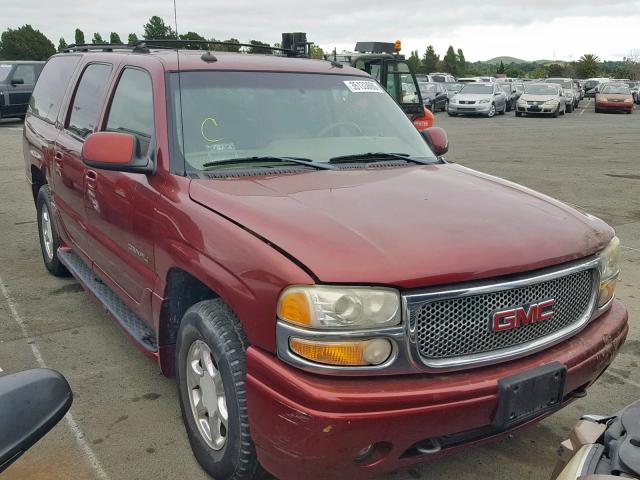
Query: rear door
80, 120
23, 79
123, 252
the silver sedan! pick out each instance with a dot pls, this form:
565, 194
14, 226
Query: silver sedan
541, 99
479, 99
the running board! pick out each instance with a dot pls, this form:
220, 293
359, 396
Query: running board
127, 318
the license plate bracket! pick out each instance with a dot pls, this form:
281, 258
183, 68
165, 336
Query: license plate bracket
529, 394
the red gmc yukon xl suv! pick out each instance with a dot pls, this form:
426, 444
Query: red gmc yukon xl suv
334, 299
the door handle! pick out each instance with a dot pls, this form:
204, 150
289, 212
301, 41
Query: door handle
92, 177
57, 158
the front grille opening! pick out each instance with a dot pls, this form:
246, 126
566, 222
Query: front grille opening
458, 327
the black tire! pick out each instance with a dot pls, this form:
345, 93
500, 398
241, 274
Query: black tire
569, 108
598, 110
518, 114
51, 260
557, 112
445, 107
215, 324
452, 114
508, 106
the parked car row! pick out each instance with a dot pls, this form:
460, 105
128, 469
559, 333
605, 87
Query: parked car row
551, 96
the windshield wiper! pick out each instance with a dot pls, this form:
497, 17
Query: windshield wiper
377, 157
297, 161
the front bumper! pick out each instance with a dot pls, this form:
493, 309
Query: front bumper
311, 426
615, 106
474, 109
537, 109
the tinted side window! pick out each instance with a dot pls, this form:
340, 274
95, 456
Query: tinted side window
53, 82
88, 99
132, 106
27, 73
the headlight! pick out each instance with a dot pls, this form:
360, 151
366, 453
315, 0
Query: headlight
627, 100
484, 100
522, 101
333, 307
551, 102
610, 262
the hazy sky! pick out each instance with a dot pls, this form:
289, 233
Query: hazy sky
536, 29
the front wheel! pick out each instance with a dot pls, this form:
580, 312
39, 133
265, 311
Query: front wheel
492, 110
518, 114
48, 234
569, 108
557, 112
210, 372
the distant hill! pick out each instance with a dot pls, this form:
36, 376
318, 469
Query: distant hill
506, 60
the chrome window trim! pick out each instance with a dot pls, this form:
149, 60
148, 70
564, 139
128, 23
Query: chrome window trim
482, 287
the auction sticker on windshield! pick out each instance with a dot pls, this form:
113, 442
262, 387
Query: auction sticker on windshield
363, 86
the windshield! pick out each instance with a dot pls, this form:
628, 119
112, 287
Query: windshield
5, 69
477, 88
427, 87
589, 84
541, 89
519, 87
565, 83
619, 89
632, 84
229, 115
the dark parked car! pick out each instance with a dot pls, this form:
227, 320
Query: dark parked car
511, 95
434, 96
334, 298
17, 80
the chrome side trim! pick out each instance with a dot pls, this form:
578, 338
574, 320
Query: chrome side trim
477, 288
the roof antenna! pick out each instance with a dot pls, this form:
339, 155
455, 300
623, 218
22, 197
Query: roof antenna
175, 21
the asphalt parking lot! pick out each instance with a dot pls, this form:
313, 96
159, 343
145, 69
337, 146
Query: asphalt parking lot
125, 421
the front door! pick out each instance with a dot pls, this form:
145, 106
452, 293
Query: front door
121, 248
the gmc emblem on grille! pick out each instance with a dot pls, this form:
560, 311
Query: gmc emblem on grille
523, 316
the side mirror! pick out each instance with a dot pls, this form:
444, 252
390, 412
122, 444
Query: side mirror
17, 81
31, 403
116, 151
437, 140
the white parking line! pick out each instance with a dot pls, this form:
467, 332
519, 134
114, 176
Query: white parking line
71, 423
585, 107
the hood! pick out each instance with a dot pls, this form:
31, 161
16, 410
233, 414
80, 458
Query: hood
408, 226
430, 95
538, 98
614, 96
474, 96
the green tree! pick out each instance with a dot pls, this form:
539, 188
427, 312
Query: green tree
462, 62
62, 44
79, 37
451, 61
430, 60
414, 61
588, 65
259, 47
501, 68
316, 52
156, 29
133, 38
25, 43
229, 47
514, 72
555, 70
114, 38
97, 38
192, 36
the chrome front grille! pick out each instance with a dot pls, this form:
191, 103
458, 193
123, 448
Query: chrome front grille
457, 329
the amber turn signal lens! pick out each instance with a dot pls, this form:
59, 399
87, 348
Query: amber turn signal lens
294, 307
359, 353
607, 290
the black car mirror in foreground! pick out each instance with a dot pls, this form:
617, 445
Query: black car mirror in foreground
31, 403
17, 81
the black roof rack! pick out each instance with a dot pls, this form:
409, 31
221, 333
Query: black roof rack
168, 43
106, 47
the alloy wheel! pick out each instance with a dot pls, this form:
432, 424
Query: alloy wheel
47, 232
206, 395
